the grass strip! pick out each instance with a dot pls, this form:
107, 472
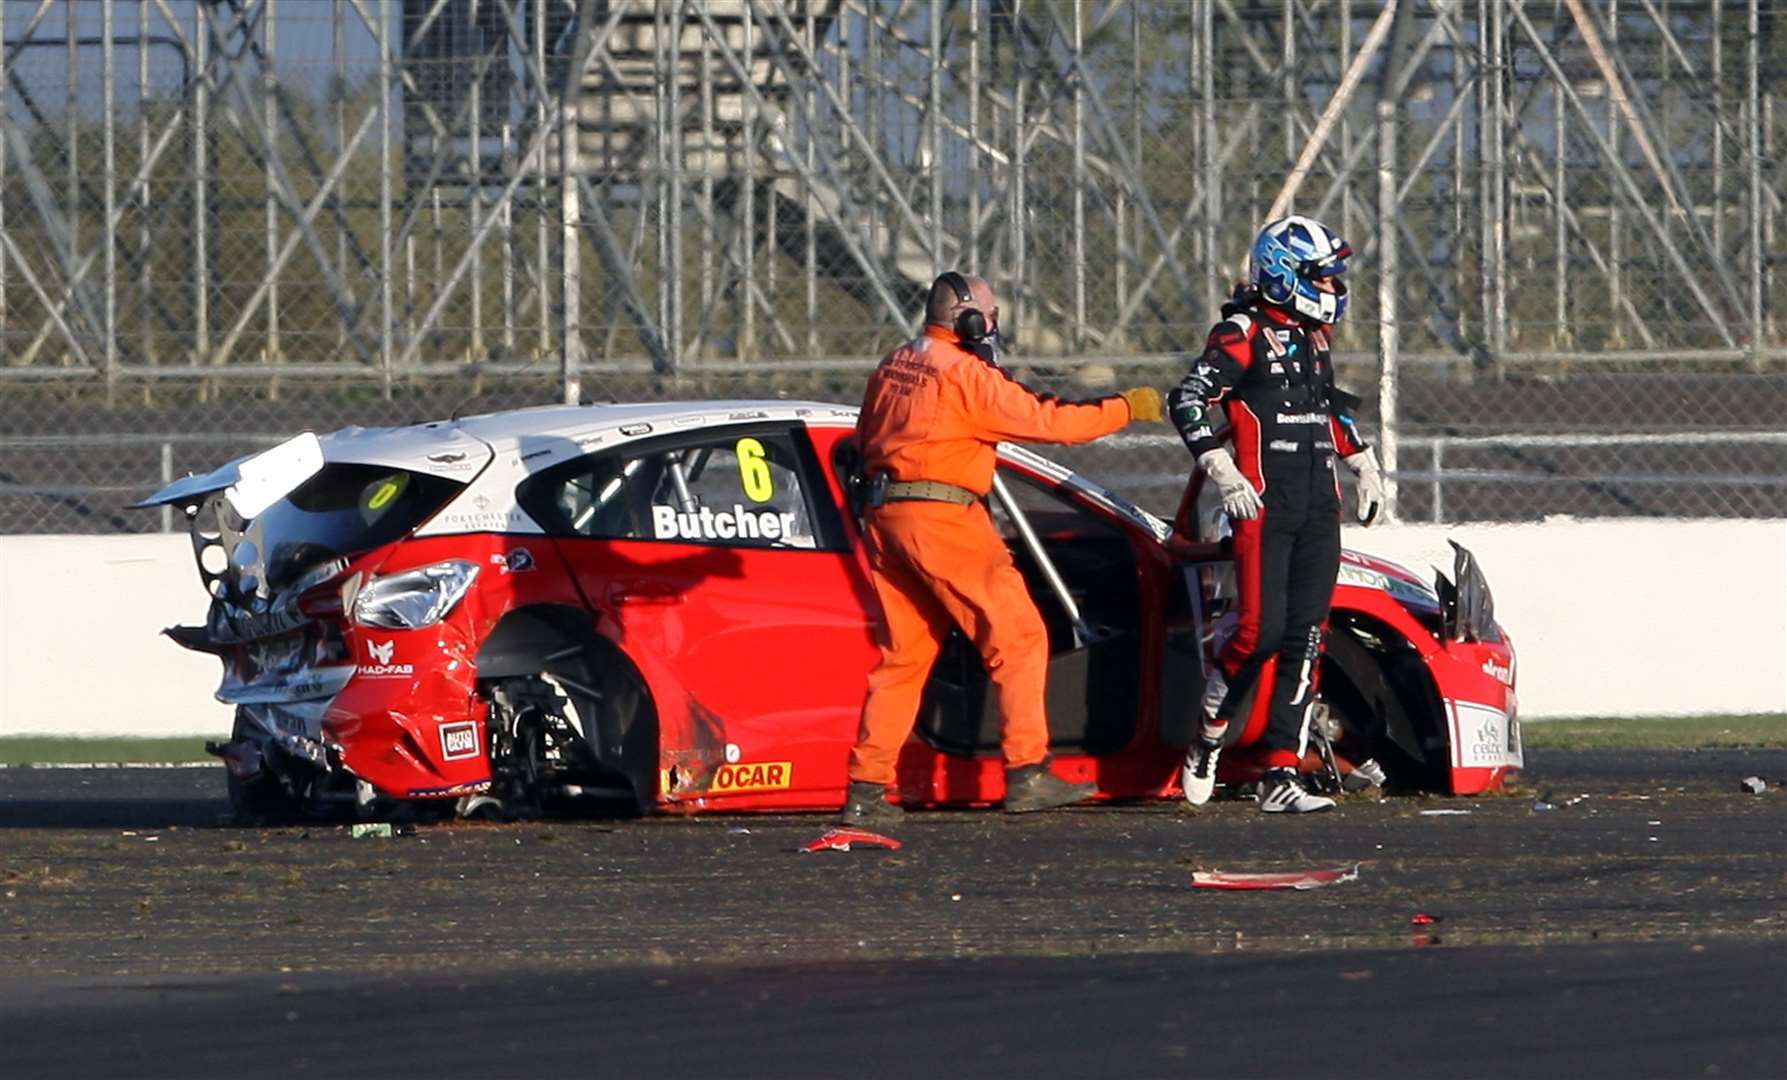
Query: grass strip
59, 750
1658, 733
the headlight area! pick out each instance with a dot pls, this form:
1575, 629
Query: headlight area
410, 599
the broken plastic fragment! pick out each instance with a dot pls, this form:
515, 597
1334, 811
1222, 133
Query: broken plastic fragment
1440, 813
1421, 918
1296, 879
371, 828
1541, 804
1754, 785
841, 839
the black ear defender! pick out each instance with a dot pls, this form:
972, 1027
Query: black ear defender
971, 323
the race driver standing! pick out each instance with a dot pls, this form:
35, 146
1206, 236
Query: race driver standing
1267, 367
932, 416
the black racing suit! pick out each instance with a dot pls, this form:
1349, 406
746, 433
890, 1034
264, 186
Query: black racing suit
1273, 376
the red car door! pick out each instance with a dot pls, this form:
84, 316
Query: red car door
719, 562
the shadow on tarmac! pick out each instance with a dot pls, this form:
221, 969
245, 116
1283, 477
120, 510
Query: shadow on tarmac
1583, 1011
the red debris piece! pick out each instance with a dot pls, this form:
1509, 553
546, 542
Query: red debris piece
1297, 879
1421, 918
841, 839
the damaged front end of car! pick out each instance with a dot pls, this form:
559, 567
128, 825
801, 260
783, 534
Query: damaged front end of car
1477, 682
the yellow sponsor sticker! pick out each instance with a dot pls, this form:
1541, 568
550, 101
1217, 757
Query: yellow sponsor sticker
739, 779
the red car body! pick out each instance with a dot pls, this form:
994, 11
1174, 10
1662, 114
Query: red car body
672, 601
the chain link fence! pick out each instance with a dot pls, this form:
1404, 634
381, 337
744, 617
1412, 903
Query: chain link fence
222, 222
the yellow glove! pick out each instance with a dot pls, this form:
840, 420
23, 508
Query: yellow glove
1144, 404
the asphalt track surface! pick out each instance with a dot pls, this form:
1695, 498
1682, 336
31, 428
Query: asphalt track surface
1638, 929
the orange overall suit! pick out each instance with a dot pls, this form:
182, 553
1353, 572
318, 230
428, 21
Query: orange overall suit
934, 411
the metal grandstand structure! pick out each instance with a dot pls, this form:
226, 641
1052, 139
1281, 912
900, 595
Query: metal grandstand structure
1568, 213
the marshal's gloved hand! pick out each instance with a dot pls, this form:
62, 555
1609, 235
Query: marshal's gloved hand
1238, 496
1144, 404
1371, 484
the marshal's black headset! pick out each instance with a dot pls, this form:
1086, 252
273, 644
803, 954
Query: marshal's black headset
971, 323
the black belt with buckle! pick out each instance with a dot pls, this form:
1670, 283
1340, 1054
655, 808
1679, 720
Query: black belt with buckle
929, 491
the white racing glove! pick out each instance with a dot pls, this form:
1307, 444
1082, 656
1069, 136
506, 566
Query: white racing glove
1238, 496
1371, 484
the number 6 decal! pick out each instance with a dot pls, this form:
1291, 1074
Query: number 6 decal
753, 471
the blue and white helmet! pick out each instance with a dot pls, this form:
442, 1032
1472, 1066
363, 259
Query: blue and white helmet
1289, 256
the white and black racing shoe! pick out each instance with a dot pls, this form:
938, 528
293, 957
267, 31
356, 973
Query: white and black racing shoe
1198, 775
1282, 793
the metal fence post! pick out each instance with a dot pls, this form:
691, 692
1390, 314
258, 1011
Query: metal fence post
167, 477
1439, 484
570, 217
109, 165
1386, 297
386, 78
5, 348
1755, 214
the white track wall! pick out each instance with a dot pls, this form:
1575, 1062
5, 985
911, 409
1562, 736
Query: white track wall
1628, 618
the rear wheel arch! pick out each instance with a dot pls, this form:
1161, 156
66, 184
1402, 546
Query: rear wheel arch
610, 694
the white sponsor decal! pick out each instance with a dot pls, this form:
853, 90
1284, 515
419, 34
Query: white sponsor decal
1303, 418
1480, 738
382, 667
453, 461
1285, 445
739, 523
459, 740
483, 521
1504, 672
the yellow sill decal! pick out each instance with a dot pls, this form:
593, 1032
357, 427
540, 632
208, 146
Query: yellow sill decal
735, 779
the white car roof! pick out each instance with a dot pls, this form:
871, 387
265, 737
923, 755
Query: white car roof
539, 437
418, 446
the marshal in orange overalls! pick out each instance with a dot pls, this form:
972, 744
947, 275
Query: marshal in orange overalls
936, 411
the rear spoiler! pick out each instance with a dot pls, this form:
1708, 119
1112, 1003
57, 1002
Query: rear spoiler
251, 484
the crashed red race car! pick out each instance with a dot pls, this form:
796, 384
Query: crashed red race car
669, 604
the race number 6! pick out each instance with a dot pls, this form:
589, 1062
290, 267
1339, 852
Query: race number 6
753, 471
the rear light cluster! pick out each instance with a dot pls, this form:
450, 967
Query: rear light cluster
409, 599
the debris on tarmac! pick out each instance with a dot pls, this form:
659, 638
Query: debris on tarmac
1298, 879
1541, 805
1442, 813
1754, 785
372, 829
841, 839
1421, 918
